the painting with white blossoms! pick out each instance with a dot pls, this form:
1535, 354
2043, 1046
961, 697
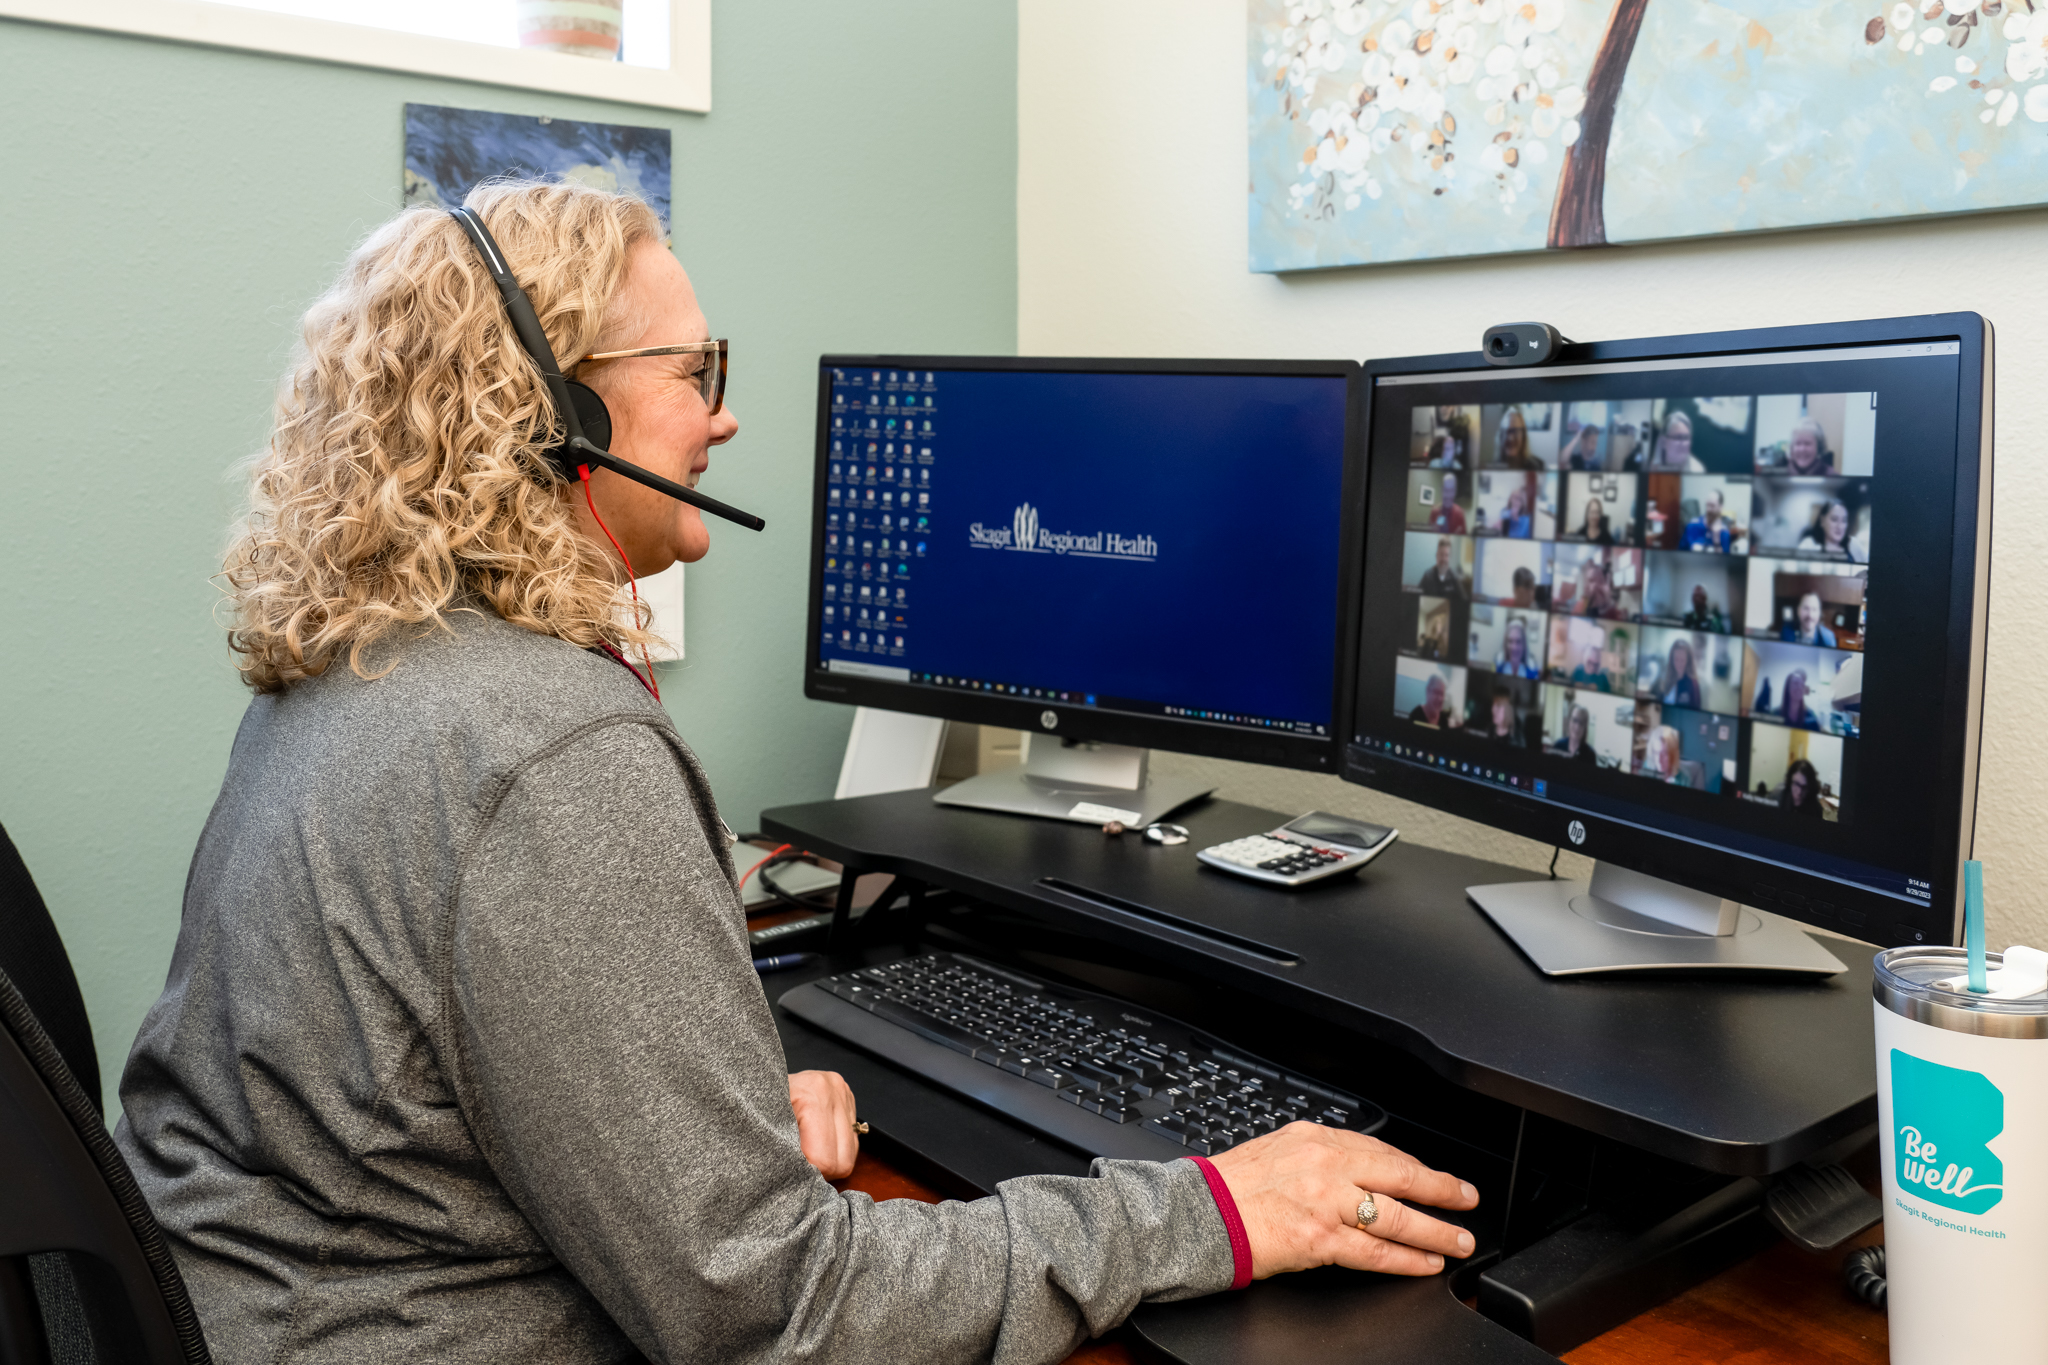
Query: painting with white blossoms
1397, 130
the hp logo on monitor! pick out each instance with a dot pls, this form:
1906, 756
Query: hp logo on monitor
1576, 832
1049, 719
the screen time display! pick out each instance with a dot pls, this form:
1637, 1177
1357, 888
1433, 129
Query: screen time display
1649, 593
1165, 544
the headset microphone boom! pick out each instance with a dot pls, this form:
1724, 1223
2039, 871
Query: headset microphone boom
586, 422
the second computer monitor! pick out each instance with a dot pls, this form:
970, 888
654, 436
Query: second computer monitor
1707, 608
1148, 553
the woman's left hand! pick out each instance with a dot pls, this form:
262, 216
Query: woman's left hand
825, 1119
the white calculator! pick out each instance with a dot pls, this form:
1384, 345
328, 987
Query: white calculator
1316, 846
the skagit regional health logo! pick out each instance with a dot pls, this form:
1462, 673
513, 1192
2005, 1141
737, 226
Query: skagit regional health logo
1946, 1119
1025, 534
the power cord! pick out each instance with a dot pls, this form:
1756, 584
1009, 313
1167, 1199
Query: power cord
1863, 1275
1554, 851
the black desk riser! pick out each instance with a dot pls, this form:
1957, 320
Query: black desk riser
1643, 1114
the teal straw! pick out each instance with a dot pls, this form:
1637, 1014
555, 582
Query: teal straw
1973, 923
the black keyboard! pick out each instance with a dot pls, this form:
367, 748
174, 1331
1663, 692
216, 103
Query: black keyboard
1103, 1075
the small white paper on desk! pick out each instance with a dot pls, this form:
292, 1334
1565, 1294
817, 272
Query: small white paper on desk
1102, 815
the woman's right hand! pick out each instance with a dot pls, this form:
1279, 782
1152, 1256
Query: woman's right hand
1298, 1189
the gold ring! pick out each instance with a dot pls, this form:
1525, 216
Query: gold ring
860, 1128
1368, 1212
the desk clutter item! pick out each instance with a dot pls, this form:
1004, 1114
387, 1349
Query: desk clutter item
1308, 849
1088, 1069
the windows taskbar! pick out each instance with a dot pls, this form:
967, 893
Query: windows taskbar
1128, 705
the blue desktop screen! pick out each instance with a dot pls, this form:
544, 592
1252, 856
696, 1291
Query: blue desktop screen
1164, 544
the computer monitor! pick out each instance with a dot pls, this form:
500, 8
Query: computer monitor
1109, 554
1623, 604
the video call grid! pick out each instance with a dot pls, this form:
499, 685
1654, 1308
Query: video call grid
1671, 588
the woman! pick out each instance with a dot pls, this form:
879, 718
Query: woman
1802, 789
1681, 688
462, 1056
1513, 658
1674, 447
1435, 634
1512, 442
1660, 755
1501, 722
1806, 451
1594, 529
1574, 742
1514, 519
1829, 534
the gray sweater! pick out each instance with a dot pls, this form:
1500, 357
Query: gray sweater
461, 1058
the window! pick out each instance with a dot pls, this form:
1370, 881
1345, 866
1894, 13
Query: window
665, 59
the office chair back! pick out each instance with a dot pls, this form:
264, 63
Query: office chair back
85, 1277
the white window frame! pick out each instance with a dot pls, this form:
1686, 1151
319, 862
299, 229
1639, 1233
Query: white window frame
685, 85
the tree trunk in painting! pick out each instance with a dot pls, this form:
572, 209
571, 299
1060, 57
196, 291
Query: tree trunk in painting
1578, 217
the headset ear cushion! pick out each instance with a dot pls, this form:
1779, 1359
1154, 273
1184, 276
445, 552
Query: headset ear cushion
595, 417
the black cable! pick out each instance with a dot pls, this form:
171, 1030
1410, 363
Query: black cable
1863, 1274
769, 885
1555, 850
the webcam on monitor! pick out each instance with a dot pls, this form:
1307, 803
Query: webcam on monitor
1521, 343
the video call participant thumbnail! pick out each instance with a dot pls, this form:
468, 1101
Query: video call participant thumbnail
1589, 727
1588, 580
1822, 518
1438, 502
1514, 504
1585, 437
1793, 685
1442, 437
1699, 592
1429, 694
1519, 436
1503, 709
1436, 636
1600, 509
1693, 669
1507, 641
1795, 772
1704, 435
1436, 565
1776, 591
1686, 748
1813, 435
1515, 573
1592, 654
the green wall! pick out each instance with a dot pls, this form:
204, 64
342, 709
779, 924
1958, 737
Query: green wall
170, 210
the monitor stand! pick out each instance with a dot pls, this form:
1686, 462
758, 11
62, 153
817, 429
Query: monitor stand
1630, 921
1091, 784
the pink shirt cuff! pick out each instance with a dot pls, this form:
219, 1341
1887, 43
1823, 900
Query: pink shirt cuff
1240, 1245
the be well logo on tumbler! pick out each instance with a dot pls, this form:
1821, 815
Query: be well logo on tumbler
1946, 1117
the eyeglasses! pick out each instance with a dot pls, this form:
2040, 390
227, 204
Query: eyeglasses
710, 379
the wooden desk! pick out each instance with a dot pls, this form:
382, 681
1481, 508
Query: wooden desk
1781, 1305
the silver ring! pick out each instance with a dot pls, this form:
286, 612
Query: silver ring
1368, 1212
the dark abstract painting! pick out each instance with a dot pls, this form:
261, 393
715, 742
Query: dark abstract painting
447, 151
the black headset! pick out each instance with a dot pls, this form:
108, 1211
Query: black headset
586, 422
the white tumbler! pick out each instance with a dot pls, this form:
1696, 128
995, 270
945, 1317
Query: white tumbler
1962, 1108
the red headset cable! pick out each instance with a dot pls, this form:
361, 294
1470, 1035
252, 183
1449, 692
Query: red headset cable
583, 472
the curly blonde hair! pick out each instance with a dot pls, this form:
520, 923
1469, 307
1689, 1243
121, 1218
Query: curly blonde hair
403, 470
